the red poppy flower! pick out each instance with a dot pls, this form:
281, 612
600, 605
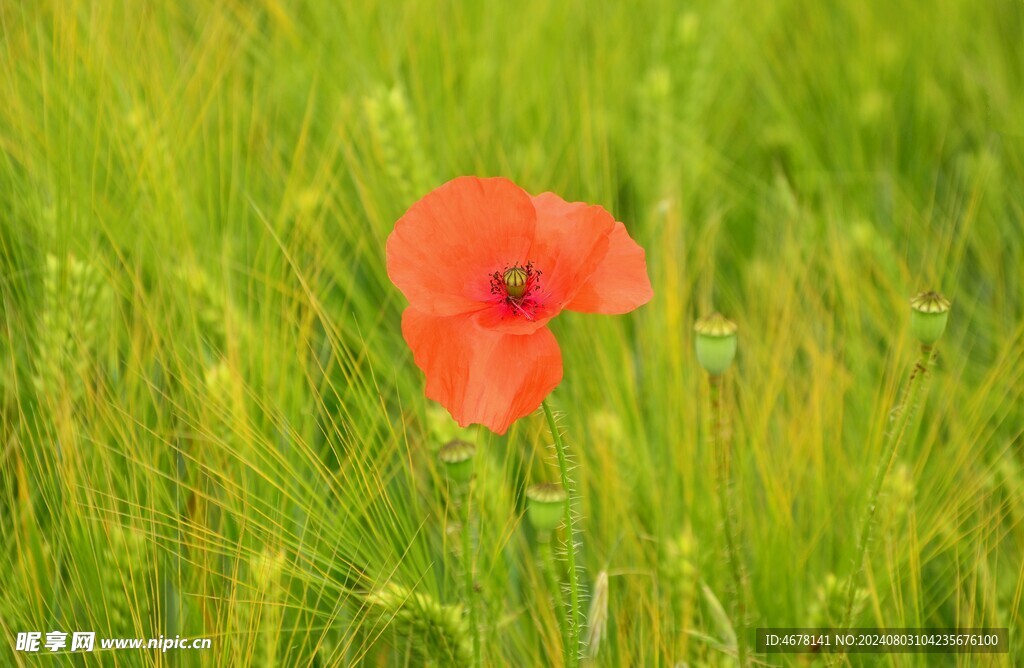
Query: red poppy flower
485, 266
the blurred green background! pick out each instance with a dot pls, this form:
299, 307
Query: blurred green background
209, 422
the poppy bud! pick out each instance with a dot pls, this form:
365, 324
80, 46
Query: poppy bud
515, 281
928, 316
457, 457
545, 506
716, 343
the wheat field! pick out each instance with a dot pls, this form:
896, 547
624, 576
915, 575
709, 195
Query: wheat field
210, 425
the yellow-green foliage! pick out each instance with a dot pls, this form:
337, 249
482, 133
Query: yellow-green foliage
76, 308
210, 425
827, 608
431, 632
126, 572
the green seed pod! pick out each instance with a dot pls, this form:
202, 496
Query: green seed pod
457, 457
516, 279
716, 343
928, 316
545, 506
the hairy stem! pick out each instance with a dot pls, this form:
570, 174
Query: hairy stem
467, 567
722, 447
574, 621
547, 558
905, 410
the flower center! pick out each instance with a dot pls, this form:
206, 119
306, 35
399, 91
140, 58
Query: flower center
515, 281
517, 289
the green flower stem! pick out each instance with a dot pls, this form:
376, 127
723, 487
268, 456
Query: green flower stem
904, 414
467, 567
723, 459
547, 558
572, 637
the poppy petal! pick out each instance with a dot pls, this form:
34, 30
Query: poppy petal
481, 375
443, 251
572, 240
620, 283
